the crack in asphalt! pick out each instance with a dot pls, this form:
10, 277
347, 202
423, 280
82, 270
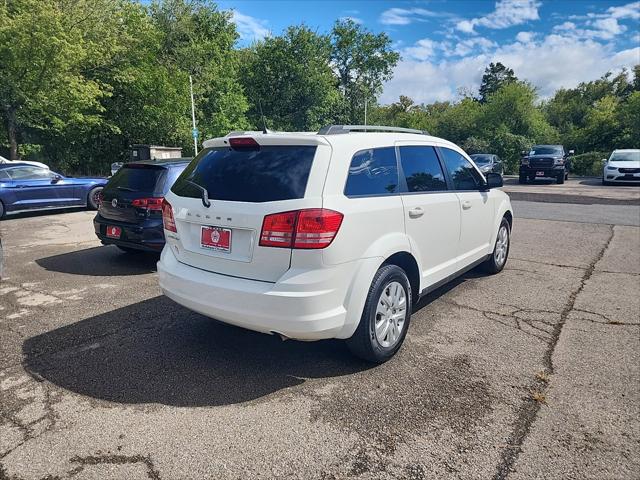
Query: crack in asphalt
530, 408
83, 462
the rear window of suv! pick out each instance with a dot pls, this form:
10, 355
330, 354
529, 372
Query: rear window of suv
137, 178
267, 174
373, 172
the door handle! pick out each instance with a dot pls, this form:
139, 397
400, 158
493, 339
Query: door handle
466, 205
416, 212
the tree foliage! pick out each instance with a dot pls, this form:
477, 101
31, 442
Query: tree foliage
496, 75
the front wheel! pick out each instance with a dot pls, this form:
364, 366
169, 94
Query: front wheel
1, 210
385, 319
498, 259
522, 179
560, 179
93, 198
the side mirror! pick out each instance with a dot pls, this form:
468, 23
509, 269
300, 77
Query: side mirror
56, 178
494, 180
571, 152
604, 160
524, 153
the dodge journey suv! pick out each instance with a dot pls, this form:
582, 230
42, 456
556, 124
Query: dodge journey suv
334, 234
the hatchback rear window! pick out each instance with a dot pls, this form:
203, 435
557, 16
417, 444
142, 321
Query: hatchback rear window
265, 174
137, 178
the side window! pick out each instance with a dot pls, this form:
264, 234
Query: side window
4, 175
422, 169
464, 176
29, 173
373, 172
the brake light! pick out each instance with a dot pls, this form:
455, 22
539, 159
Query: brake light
167, 217
152, 203
243, 142
306, 229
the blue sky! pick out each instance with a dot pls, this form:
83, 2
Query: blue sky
445, 45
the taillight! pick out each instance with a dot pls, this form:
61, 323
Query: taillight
310, 228
244, 143
277, 229
167, 217
152, 203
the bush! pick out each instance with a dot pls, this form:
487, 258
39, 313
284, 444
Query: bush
588, 163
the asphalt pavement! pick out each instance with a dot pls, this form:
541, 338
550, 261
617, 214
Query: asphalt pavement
531, 373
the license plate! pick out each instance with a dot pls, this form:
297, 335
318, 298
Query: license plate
216, 238
113, 232
539, 174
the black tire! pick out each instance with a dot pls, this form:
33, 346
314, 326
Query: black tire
92, 202
604, 182
364, 343
492, 265
522, 179
560, 179
1, 210
566, 175
130, 250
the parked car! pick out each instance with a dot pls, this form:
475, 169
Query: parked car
488, 163
130, 213
28, 162
545, 161
622, 166
27, 187
328, 235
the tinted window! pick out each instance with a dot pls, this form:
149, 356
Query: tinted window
422, 169
172, 175
373, 172
481, 159
137, 178
464, 176
267, 174
29, 173
547, 150
4, 175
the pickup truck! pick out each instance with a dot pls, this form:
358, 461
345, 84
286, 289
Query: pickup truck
545, 161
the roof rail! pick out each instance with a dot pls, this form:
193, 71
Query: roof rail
339, 129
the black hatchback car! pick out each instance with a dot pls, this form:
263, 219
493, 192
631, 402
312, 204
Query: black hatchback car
130, 212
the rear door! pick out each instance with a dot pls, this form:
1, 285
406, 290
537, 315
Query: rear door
131, 182
476, 207
432, 212
243, 186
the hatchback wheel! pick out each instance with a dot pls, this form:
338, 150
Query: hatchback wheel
385, 319
498, 259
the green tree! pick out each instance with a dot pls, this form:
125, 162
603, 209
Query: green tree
495, 76
290, 77
47, 48
363, 62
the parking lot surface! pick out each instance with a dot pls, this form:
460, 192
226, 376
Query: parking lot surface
531, 373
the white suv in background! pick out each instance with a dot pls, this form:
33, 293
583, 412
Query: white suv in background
334, 234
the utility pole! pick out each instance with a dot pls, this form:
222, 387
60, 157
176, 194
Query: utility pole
194, 132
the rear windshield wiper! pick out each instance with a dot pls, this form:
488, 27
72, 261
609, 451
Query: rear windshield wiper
126, 189
203, 193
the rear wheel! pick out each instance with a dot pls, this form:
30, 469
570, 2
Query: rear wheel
1, 210
385, 319
93, 198
498, 259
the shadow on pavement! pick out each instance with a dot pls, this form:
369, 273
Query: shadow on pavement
100, 261
156, 351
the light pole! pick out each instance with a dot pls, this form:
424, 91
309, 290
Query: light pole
194, 131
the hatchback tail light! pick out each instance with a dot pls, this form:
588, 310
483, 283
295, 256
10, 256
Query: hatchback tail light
151, 203
167, 217
306, 229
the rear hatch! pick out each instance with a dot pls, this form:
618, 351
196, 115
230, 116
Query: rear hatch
243, 185
131, 182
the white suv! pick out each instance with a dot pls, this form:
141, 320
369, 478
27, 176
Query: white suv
328, 235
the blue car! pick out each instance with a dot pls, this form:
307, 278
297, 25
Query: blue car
130, 214
25, 187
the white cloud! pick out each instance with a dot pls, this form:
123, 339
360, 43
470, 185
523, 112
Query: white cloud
405, 16
554, 62
609, 26
630, 10
507, 13
421, 50
525, 37
248, 27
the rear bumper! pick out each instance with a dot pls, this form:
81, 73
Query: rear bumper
147, 236
303, 304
